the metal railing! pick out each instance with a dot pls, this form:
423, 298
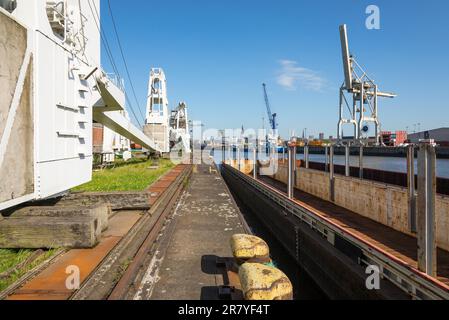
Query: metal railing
116, 80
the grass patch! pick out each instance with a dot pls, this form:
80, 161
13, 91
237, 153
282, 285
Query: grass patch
134, 176
9, 258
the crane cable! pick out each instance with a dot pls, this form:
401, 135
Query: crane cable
124, 60
105, 43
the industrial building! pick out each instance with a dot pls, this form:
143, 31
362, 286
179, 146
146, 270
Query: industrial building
440, 135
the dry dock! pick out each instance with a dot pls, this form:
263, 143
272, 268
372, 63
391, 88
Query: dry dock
335, 245
184, 266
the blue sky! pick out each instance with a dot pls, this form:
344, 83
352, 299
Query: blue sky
216, 55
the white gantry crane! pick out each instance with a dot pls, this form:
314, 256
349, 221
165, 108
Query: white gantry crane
166, 129
364, 93
179, 128
51, 89
157, 116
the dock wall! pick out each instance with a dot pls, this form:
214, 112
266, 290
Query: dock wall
338, 274
383, 203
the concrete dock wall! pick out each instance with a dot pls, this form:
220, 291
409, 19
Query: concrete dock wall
383, 203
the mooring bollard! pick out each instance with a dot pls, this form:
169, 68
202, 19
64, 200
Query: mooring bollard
262, 282
259, 279
411, 188
249, 248
426, 228
347, 164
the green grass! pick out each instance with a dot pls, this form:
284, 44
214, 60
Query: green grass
9, 258
135, 176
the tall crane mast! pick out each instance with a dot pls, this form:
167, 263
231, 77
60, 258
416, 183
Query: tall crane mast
271, 116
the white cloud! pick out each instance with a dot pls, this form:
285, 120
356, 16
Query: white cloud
291, 75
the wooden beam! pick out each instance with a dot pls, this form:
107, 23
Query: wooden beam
41, 232
53, 227
100, 211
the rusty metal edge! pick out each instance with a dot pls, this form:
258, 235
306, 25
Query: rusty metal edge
31, 274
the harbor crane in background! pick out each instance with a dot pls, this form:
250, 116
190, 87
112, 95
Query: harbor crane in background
271, 137
271, 116
364, 94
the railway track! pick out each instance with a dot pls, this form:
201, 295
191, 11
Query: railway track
114, 277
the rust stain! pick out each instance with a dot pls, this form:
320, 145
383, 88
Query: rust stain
50, 283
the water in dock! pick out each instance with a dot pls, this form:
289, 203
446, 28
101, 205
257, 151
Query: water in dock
380, 163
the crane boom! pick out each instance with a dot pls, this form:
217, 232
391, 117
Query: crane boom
271, 116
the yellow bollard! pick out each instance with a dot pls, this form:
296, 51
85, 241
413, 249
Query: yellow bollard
248, 248
261, 282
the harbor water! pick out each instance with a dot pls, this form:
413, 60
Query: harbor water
380, 163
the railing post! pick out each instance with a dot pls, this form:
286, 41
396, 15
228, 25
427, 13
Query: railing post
257, 149
306, 156
255, 163
238, 157
411, 188
361, 162
326, 159
426, 229
347, 164
291, 168
283, 154
223, 149
331, 174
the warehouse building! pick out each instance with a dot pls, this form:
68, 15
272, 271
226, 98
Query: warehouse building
441, 136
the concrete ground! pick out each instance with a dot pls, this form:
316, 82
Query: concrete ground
204, 220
